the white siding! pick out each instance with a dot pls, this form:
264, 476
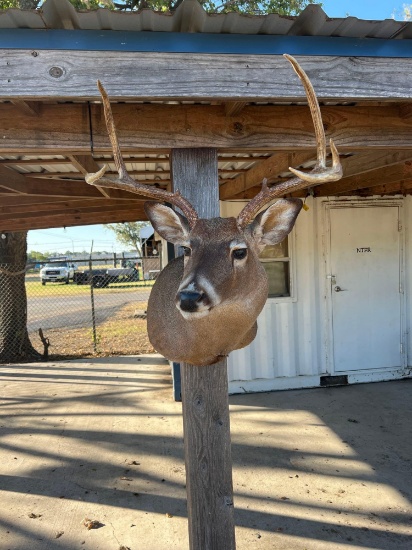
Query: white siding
288, 343
291, 345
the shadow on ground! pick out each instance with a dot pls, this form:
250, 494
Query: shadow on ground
102, 439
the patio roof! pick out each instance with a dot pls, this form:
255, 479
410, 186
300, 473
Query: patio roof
249, 106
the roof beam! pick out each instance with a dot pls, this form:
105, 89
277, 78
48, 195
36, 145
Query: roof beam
380, 175
64, 210
29, 74
402, 187
86, 164
31, 108
39, 209
13, 183
65, 128
269, 168
69, 220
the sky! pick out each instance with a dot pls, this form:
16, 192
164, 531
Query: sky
365, 9
78, 239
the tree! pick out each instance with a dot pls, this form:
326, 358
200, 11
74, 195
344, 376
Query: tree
15, 344
128, 233
283, 7
37, 257
253, 7
407, 12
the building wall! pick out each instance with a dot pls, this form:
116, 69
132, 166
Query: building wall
290, 349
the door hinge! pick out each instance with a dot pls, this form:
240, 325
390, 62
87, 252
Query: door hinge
401, 348
399, 225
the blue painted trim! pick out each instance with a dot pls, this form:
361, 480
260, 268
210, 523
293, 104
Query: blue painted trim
177, 382
175, 42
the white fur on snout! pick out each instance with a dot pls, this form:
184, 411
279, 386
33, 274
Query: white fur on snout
203, 286
191, 315
210, 291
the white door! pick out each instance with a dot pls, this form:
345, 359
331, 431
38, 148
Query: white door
365, 287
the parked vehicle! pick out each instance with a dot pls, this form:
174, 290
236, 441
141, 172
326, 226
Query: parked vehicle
101, 278
57, 272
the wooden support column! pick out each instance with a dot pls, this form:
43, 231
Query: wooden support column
206, 423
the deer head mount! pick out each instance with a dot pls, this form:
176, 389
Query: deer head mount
205, 304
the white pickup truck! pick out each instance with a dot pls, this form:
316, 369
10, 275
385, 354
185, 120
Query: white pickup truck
57, 272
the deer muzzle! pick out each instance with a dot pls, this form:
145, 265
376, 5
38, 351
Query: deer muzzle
193, 301
190, 300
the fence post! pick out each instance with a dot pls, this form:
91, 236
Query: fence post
93, 308
205, 404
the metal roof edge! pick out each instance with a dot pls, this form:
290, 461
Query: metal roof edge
178, 42
190, 17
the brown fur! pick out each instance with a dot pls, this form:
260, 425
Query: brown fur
201, 341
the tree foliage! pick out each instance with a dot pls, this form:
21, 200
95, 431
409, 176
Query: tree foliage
283, 7
407, 12
128, 233
36, 256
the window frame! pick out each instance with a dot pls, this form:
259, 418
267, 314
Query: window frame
291, 258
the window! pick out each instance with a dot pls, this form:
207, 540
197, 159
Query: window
276, 261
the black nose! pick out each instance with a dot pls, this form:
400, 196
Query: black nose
189, 300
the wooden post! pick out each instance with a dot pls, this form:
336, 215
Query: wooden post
206, 423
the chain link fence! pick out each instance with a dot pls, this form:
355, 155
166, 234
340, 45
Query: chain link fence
76, 309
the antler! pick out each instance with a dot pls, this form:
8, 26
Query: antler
319, 174
125, 181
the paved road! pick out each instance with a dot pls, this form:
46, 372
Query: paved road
59, 311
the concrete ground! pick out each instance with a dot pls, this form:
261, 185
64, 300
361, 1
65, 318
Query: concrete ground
314, 469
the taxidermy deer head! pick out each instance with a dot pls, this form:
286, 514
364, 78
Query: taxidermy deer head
205, 304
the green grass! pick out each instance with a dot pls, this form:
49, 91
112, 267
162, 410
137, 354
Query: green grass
35, 289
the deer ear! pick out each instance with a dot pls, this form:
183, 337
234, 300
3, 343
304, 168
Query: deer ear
170, 225
273, 224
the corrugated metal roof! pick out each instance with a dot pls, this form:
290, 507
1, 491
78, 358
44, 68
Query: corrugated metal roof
191, 18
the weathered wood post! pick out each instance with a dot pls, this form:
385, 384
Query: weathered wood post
206, 423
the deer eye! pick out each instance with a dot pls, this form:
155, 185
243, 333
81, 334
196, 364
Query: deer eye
186, 251
239, 253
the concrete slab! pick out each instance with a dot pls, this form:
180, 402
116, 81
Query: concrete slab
102, 439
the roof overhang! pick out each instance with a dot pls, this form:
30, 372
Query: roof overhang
193, 80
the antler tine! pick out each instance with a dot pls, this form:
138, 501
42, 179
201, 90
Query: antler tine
125, 181
319, 174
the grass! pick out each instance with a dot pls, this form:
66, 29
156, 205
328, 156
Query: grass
35, 289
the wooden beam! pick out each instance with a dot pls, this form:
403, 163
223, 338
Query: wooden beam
12, 183
94, 208
31, 186
32, 162
405, 110
225, 77
353, 167
86, 164
233, 108
402, 187
30, 108
269, 168
73, 220
139, 173
206, 421
378, 176
37, 200
45, 208
64, 128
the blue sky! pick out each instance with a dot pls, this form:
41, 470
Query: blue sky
80, 238
364, 9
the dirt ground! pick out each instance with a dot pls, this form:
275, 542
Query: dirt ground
101, 440
124, 333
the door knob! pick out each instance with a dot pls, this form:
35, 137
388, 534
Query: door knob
338, 289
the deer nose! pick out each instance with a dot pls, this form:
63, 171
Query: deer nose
190, 300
